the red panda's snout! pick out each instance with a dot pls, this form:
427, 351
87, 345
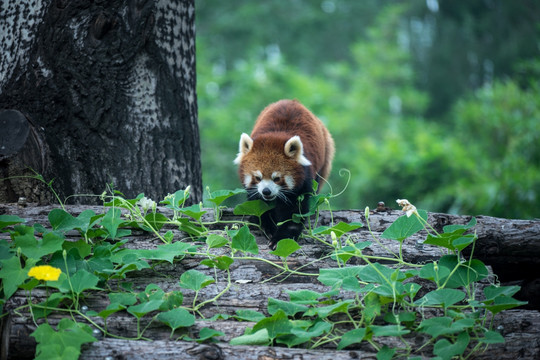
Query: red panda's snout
268, 188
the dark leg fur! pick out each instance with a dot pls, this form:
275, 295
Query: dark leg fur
284, 212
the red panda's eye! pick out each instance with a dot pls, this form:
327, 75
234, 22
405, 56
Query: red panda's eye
258, 178
277, 179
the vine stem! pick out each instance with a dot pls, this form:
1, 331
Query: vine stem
196, 308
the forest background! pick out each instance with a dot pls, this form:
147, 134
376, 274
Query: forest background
436, 102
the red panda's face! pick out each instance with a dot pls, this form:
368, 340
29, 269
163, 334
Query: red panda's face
271, 167
268, 186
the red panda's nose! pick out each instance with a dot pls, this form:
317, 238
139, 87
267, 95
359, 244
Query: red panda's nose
266, 191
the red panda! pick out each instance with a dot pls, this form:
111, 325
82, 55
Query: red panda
288, 148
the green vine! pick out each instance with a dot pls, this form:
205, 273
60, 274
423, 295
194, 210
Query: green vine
378, 298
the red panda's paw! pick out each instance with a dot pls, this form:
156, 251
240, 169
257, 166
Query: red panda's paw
272, 245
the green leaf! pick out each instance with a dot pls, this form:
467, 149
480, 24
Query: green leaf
156, 221
320, 327
277, 324
144, 308
111, 221
493, 291
208, 334
244, 241
432, 271
36, 249
453, 241
503, 302
404, 227
443, 297
466, 272
63, 221
195, 280
43, 309
82, 280
64, 343
288, 308
111, 309
216, 241
249, 315
168, 236
221, 262
373, 306
339, 229
351, 337
285, 247
257, 338
5, 250
325, 311
219, 196
176, 200
167, 252
436, 326
388, 330
13, 275
385, 353
123, 298
403, 317
305, 297
492, 337
345, 277
379, 274
177, 318
252, 207
8, 220
83, 249
193, 211
446, 350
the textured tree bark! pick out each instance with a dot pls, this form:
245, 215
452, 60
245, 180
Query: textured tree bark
110, 85
23, 153
521, 328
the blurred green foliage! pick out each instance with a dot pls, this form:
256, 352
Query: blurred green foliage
452, 138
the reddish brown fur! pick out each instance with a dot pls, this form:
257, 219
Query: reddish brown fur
276, 124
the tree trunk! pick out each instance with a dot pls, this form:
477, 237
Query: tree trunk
110, 86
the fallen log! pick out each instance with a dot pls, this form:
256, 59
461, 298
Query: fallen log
256, 281
521, 330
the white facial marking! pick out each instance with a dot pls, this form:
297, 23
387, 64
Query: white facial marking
247, 180
289, 180
258, 175
268, 189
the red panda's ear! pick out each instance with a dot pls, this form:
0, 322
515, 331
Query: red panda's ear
246, 143
295, 150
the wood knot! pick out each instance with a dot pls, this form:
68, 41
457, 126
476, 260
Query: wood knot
207, 352
442, 221
102, 25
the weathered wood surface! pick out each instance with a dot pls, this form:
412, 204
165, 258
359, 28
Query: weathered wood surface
522, 333
520, 327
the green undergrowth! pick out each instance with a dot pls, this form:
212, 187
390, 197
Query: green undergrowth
380, 305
